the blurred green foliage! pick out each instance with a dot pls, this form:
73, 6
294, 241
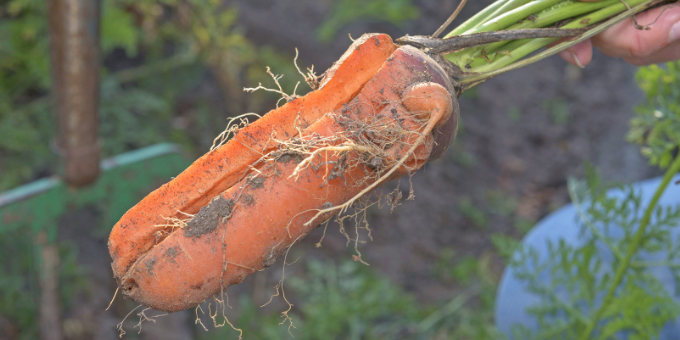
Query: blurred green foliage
346, 301
351, 301
156, 55
20, 286
473, 213
657, 124
500, 202
24, 74
343, 12
558, 110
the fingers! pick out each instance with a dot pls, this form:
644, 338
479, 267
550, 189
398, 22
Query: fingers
580, 54
666, 54
659, 43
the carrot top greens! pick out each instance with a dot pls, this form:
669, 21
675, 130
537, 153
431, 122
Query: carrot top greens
473, 65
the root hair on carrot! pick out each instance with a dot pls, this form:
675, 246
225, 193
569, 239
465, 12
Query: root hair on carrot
233, 125
360, 220
119, 326
223, 302
142, 318
434, 119
173, 222
371, 140
310, 77
325, 227
280, 289
113, 298
280, 91
198, 318
213, 315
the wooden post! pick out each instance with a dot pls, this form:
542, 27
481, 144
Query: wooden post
75, 59
75, 62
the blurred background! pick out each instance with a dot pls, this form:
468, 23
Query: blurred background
173, 71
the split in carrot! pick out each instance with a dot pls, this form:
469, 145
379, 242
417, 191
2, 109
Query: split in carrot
395, 122
218, 170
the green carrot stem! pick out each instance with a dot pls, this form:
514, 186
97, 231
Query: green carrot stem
561, 11
510, 18
471, 79
478, 18
520, 49
507, 7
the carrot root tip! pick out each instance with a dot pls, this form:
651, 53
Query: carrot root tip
428, 101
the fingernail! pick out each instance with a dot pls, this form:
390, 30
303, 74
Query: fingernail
674, 34
578, 62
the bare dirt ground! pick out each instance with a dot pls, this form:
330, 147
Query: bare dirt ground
522, 135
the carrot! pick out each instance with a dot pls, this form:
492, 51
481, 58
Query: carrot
220, 169
404, 115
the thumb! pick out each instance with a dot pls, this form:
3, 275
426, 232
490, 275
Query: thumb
660, 39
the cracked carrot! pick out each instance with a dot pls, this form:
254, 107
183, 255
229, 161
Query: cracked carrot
338, 154
220, 169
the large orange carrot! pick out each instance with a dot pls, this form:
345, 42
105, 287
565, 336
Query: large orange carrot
386, 130
220, 169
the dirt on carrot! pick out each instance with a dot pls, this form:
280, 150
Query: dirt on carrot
208, 218
292, 179
223, 167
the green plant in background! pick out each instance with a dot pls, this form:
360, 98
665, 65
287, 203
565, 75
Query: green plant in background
469, 315
585, 296
170, 46
514, 114
351, 301
473, 213
505, 245
343, 12
345, 301
500, 203
657, 125
558, 110
24, 73
19, 286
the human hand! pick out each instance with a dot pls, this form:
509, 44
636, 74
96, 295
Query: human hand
661, 43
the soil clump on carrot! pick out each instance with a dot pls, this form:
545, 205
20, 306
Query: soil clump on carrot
208, 218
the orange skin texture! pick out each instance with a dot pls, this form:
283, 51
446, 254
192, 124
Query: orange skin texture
269, 215
220, 169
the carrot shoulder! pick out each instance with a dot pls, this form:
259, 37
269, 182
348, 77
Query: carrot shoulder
220, 169
245, 228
